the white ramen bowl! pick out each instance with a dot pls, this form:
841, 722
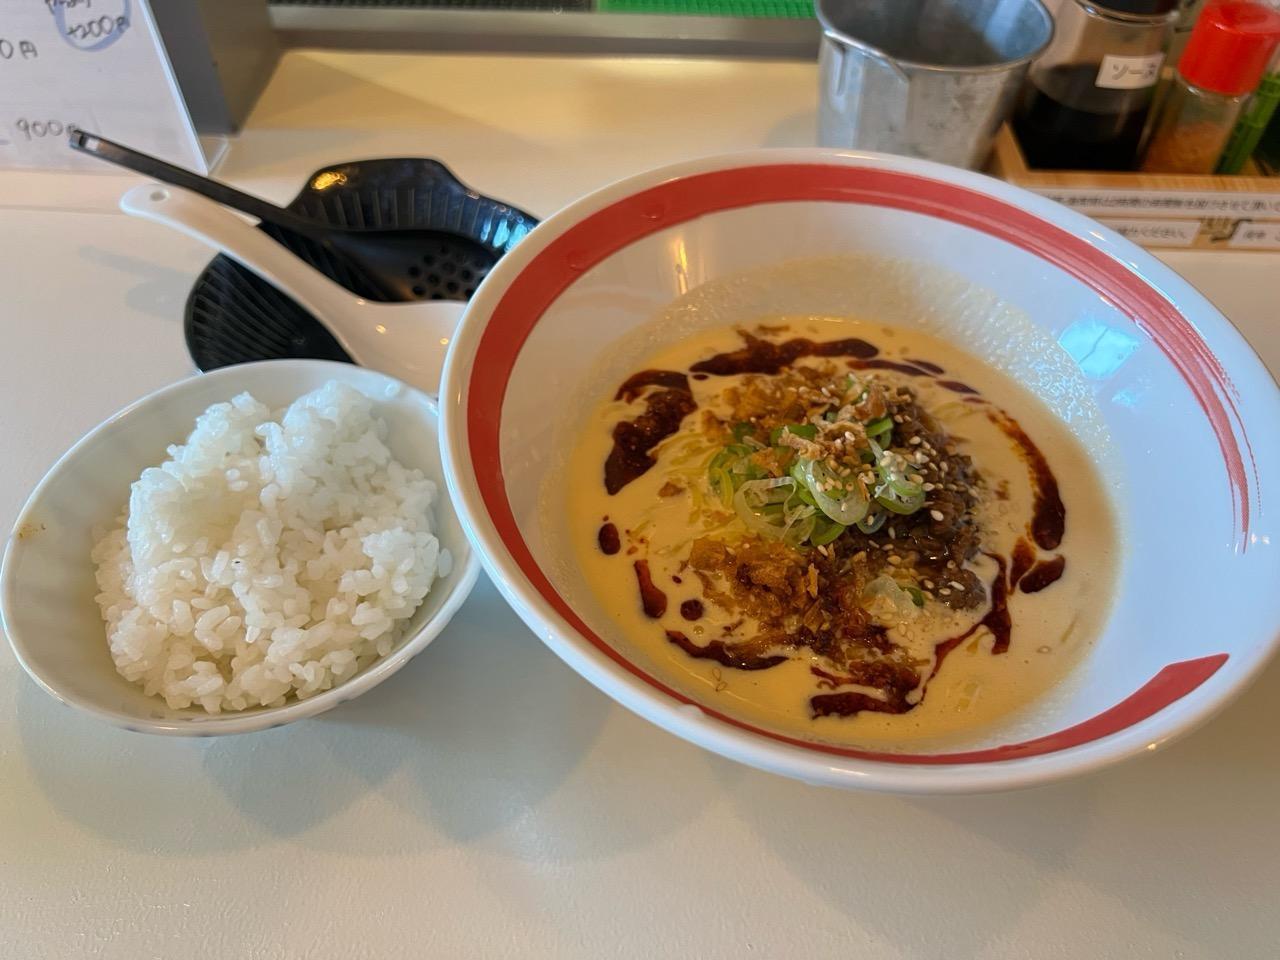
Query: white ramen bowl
47, 586
1171, 403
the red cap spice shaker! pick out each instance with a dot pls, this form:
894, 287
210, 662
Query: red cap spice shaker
1225, 59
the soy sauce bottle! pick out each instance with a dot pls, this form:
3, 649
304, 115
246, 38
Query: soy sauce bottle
1087, 99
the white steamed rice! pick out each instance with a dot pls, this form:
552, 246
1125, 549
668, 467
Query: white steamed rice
272, 555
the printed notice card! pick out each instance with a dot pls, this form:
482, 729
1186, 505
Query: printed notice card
96, 64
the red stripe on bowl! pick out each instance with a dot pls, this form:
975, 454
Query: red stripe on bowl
610, 229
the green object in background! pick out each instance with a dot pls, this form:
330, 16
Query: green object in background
770, 9
1248, 131
1267, 154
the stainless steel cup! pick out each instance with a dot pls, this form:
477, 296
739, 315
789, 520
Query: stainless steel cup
925, 78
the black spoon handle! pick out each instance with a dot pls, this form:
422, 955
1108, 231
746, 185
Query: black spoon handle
150, 166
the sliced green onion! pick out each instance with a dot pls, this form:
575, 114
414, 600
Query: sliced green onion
843, 500
735, 460
741, 430
895, 492
917, 597
881, 431
900, 496
872, 522
890, 602
801, 530
767, 507
900, 507
824, 531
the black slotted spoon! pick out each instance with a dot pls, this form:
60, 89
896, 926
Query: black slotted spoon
395, 264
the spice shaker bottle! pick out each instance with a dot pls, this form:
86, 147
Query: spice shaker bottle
1086, 100
1225, 60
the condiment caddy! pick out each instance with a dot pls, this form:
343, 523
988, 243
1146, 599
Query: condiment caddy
1091, 113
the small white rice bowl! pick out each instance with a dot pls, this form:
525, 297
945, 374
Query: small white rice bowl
275, 554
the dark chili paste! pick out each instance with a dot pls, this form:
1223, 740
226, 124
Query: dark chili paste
1049, 516
896, 365
1043, 574
724, 653
691, 609
635, 384
610, 542
652, 599
764, 356
1024, 556
633, 439
925, 365
997, 620
914, 368
893, 680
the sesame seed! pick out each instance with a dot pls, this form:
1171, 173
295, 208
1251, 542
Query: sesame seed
956, 584
860, 556
894, 559
892, 534
927, 487
897, 418
914, 440
929, 584
937, 515
945, 592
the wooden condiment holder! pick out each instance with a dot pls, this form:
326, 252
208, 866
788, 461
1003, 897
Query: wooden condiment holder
1155, 210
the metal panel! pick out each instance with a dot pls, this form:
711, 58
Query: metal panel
406, 28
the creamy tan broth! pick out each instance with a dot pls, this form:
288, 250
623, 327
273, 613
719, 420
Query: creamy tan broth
975, 690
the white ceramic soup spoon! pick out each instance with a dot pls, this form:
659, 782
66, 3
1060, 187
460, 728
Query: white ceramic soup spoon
405, 340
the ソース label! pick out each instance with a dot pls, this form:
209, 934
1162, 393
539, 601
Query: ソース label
1129, 73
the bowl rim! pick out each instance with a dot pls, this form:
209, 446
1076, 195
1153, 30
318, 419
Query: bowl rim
1175, 718
460, 582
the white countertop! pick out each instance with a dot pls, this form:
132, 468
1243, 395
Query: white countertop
486, 801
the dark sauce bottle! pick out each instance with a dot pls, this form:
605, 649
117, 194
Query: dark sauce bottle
1054, 135
1087, 99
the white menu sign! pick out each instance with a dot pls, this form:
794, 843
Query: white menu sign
95, 64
